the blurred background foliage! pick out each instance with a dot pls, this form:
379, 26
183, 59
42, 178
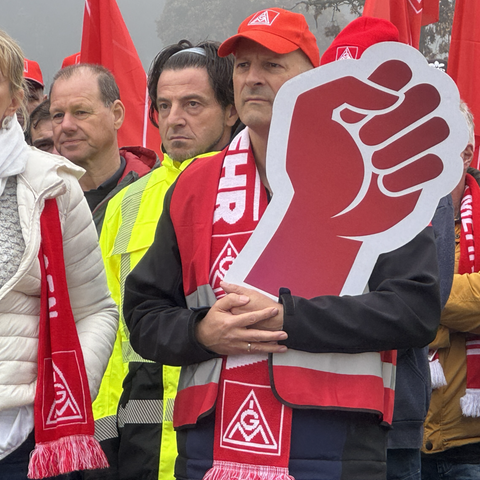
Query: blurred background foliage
218, 19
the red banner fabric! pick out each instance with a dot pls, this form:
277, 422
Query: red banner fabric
476, 157
106, 41
464, 59
407, 15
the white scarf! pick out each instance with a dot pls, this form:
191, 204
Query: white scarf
13, 152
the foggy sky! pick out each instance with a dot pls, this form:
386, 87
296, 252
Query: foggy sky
50, 30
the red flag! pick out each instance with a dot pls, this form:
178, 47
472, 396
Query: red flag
464, 60
407, 15
476, 157
106, 41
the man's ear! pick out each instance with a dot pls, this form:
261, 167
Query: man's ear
118, 110
467, 156
231, 115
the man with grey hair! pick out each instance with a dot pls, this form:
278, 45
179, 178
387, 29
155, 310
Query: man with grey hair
87, 113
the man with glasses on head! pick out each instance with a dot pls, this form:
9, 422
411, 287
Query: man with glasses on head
191, 93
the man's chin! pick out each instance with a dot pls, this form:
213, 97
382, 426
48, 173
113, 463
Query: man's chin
179, 151
181, 156
72, 156
257, 120
71, 149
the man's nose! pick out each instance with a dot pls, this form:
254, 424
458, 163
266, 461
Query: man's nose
255, 76
176, 116
68, 123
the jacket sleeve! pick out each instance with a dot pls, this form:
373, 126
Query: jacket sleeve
401, 310
461, 312
161, 326
95, 313
444, 227
111, 225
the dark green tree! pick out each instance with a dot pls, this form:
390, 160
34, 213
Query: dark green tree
435, 38
198, 20
318, 7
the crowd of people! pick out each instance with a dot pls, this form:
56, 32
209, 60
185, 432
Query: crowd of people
112, 271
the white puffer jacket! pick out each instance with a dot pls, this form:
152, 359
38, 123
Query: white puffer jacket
49, 176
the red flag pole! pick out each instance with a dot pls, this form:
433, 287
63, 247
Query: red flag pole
106, 41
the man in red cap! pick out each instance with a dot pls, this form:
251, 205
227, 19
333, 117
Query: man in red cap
232, 419
34, 79
273, 45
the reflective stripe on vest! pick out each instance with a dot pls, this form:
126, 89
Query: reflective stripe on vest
144, 412
129, 211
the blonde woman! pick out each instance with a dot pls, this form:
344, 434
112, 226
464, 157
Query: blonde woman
28, 179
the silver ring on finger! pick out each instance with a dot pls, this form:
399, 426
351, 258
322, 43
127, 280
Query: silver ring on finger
249, 347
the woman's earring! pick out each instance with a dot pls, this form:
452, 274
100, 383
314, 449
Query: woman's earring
6, 123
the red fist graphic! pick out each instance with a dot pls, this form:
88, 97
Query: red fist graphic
357, 167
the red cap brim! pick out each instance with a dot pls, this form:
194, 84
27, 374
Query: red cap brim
268, 40
35, 81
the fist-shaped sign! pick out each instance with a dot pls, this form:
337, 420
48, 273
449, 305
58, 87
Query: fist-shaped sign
359, 154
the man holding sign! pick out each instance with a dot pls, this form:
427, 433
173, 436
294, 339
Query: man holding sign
310, 409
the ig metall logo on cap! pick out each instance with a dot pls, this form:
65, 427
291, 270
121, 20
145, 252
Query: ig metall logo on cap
267, 17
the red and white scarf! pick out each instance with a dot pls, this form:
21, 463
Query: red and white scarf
252, 428
469, 262
63, 417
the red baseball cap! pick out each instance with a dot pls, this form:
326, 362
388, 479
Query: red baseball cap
71, 60
31, 71
278, 30
357, 36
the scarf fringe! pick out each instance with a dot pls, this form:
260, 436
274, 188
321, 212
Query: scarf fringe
241, 471
437, 374
470, 403
67, 454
